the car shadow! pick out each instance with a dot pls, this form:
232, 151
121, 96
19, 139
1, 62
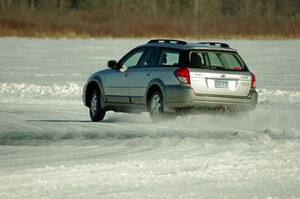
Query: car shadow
109, 120
61, 121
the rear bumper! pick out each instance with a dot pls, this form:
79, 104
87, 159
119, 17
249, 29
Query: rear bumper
180, 97
249, 102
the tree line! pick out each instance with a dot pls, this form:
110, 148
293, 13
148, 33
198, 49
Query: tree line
214, 8
151, 18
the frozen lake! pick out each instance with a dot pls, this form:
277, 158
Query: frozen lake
49, 149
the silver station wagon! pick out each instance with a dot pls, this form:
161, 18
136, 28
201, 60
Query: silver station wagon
166, 77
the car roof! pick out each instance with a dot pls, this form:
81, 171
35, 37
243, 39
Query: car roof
183, 45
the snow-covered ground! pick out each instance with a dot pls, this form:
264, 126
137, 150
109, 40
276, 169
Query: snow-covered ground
50, 149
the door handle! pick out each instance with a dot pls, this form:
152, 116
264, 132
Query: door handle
126, 75
148, 74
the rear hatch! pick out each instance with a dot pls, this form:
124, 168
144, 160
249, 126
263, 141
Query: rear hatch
219, 73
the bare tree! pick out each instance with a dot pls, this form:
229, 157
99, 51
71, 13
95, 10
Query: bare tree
31, 4
195, 7
60, 4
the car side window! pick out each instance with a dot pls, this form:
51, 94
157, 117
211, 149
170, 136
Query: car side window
132, 59
169, 58
151, 59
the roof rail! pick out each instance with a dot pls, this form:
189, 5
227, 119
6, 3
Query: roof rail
167, 41
223, 45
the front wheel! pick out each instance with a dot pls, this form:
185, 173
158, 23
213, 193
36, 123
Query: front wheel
96, 112
155, 106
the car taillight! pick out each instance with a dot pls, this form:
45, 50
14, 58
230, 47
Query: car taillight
183, 75
252, 80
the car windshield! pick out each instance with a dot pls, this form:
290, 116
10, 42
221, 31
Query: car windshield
216, 60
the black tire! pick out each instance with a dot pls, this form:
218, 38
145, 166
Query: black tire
96, 112
155, 107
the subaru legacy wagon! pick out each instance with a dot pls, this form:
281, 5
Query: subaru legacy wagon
165, 77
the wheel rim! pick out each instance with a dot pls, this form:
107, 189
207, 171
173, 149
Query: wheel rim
94, 104
156, 105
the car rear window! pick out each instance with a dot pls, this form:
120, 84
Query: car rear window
216, 60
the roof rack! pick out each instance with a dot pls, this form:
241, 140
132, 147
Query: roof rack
174, 41
223, 45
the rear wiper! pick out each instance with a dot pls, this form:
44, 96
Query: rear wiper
217, 67
221, 68
204, 67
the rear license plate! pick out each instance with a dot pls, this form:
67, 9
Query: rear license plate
220, 83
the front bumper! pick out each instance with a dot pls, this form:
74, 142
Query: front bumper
84, 95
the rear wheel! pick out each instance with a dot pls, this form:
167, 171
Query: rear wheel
155, 106
96, 112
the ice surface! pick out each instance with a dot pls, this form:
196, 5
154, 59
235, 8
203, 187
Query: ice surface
50, 149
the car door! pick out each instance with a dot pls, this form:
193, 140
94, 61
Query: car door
140, 76
116, 82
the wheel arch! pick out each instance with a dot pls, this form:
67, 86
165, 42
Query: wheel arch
92, 85
154, 85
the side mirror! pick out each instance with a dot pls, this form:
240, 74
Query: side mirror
112, 64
